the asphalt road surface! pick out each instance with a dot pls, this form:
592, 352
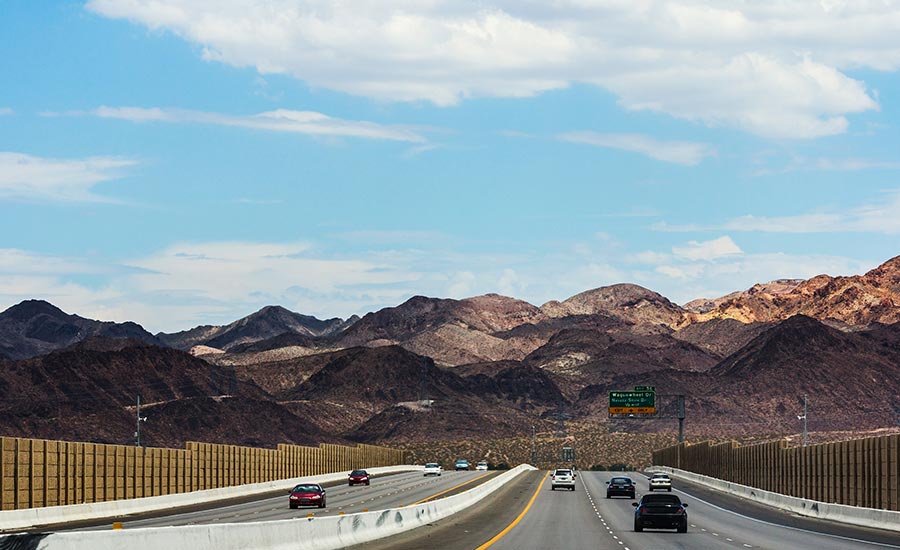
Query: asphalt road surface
527, 515
384, 492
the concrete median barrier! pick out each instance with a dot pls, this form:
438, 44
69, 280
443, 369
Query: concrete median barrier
854, 515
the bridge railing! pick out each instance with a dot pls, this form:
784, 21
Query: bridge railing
36, 472
860, 472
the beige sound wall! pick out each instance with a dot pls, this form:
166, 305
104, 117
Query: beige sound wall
37, 472
860, 472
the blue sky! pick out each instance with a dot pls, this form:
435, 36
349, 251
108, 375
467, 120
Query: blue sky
187, 162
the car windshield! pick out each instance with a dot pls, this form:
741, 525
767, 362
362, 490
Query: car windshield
620, 481
307, 489
462, 461
358, 473
661, 499
431, 465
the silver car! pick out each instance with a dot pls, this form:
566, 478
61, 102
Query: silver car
660, 481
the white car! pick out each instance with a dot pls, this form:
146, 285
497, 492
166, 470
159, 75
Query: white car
481, 466
660, 481
562, 478
433, 469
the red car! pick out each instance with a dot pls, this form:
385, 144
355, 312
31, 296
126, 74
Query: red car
307, 494
359, 477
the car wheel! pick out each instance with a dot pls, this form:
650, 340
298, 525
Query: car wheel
367, 484
322, 504
683, 527
292, 506
632, 496
608, 495
670, 489
637, 526
573, 488
553, 487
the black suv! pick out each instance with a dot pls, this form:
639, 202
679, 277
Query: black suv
660, 511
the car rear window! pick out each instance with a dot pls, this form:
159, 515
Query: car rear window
661, 499
621, 481
563, 472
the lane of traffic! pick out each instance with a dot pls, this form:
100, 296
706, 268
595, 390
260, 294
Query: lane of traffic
556, 519
383, 492
712, 526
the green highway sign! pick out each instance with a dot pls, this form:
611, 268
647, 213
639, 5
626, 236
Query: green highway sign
632, 402
645, 388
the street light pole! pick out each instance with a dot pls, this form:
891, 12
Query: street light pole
137, 432
533, 448
805, 420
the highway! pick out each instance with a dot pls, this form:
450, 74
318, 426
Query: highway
384, 492
528, 515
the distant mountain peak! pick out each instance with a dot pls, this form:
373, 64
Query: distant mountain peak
28, 309
624, 301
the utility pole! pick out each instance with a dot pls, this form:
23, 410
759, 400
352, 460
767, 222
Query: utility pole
561, 426
137, 432
423, 386
804, 418
533, 448
680, 413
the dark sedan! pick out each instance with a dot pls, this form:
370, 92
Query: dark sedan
620, 486
307, 494
665, 511
358, 477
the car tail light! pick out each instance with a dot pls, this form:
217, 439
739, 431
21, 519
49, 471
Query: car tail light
641, 510
679, 511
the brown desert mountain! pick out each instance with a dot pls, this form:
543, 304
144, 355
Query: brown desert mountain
855, 301
490, 366
267, 322
88, 392
625, 301
35, 327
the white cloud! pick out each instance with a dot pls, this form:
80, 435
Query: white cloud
231, 271
68, 180
708, 250
678, 152
460, 285
281, 120
774, 70
880, 218
190, 284
801, 164
682, 281
5, 111
22, 262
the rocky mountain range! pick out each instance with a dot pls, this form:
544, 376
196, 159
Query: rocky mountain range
36, 327
488, 366
270, 321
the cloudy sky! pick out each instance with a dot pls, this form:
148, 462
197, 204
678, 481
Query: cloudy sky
186, 162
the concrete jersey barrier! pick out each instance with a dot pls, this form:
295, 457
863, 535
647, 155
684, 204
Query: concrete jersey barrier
853, 515
325, 533
53, 515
